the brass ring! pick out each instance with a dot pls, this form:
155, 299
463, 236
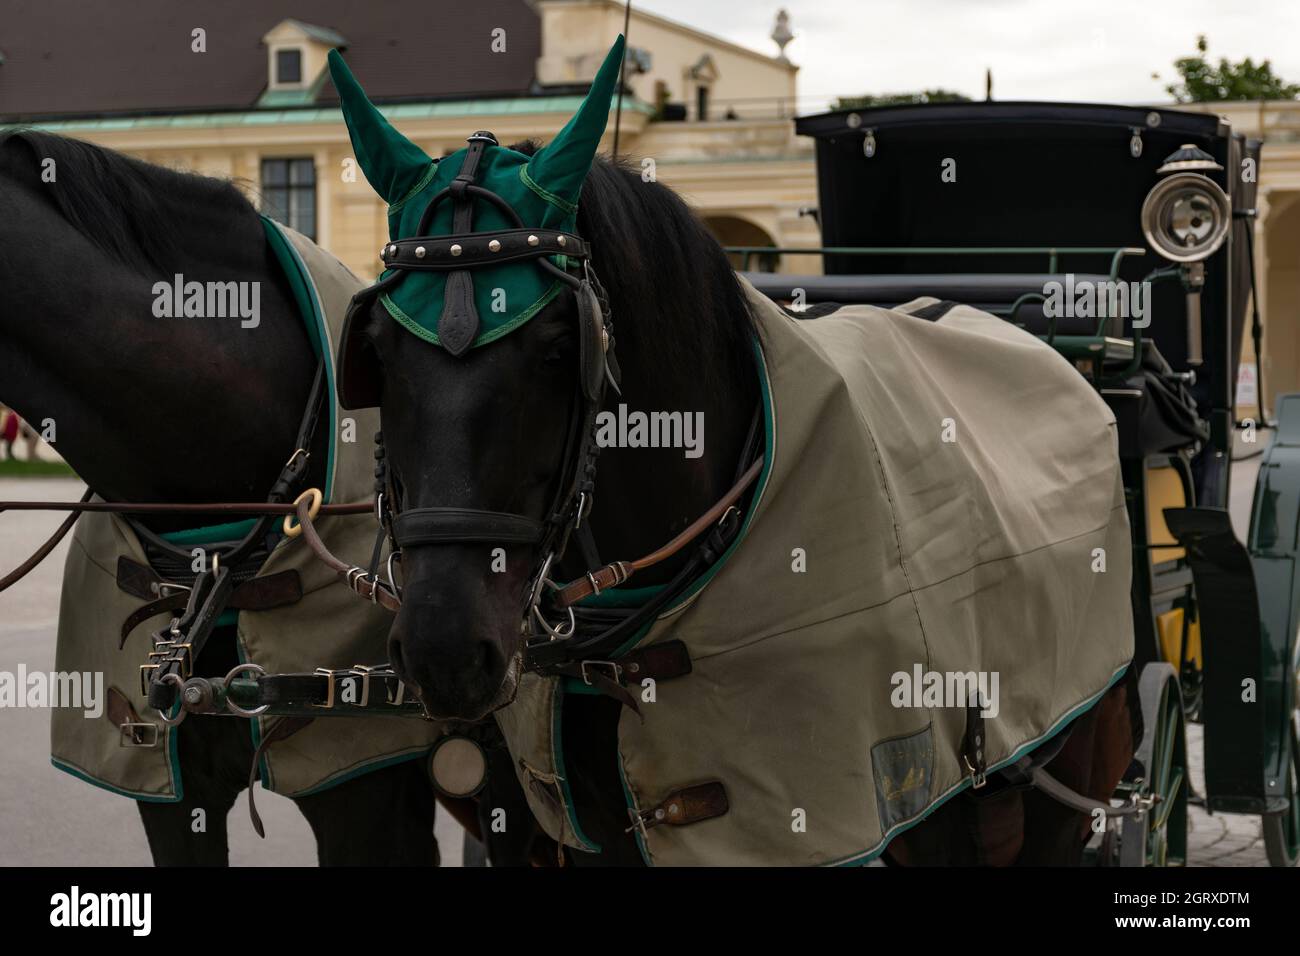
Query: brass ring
291, 529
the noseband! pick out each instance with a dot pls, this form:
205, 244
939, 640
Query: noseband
458, 254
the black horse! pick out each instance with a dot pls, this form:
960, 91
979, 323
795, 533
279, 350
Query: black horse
181, 412
173, 410
491, 436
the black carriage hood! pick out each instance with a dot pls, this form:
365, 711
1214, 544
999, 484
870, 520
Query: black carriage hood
1024, 174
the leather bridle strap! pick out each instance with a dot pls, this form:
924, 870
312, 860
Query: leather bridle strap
164, 508
354, 577
617, 572
457, 252
41, 553
422, 526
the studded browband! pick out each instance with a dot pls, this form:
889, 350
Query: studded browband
447, 253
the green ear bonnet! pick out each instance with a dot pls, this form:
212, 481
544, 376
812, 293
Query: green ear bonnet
481, 196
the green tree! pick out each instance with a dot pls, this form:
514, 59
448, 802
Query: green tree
1202, 82
898, 99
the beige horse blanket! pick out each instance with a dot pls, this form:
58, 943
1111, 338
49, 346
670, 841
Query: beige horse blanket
941, 508
329, 627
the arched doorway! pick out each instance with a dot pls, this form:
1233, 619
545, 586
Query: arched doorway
733, 231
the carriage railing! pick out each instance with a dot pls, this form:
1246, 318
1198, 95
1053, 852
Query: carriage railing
1053, 253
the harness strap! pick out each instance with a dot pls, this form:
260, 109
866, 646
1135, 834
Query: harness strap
255, 594
41, 553
351, 575
284, 728
498, 247
612, 575
459, 323
462, 525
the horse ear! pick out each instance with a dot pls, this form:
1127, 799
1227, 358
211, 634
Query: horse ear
391, 162
562, 165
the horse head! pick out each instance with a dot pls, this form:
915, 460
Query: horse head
486, 347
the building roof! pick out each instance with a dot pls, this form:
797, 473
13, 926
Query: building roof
64, 58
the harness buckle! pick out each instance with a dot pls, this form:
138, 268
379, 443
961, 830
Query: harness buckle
977, 777
329, 687
615, 671
365, 670
137, 734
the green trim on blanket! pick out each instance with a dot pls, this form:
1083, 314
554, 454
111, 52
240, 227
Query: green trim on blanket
557, 748
313, 316
369, 767
866, 856
94, 782
769, 456
230, 531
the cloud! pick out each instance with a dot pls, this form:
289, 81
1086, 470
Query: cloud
1096, 51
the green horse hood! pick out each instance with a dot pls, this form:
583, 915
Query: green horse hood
543, 190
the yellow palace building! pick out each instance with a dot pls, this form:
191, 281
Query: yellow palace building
239, 90
249, 99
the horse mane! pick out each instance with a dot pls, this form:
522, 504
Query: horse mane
126, 206
673, 292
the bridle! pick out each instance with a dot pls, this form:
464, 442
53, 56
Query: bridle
458, 254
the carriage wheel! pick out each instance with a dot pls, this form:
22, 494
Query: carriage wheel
1159, 836
1282, 830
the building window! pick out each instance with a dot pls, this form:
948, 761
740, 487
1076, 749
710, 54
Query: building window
288, 67
702, 103
289, 193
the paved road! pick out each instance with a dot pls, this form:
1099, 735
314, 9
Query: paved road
49, 818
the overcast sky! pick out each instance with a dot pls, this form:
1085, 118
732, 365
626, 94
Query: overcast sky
1099, 51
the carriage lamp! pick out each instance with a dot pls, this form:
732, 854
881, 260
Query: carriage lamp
1185, 218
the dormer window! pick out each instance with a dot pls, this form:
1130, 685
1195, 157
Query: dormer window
288, 67
295, 62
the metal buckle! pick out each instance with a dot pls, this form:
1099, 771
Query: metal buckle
354, 578
185, 660
645, 819
128, 734
364, 671
615, 671
401, 695
978, 778
145, 680
329, 693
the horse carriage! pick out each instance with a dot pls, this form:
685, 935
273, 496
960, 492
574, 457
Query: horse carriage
1150, 210
734, 705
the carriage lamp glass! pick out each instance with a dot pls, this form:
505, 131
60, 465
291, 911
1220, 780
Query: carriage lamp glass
1186, 217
